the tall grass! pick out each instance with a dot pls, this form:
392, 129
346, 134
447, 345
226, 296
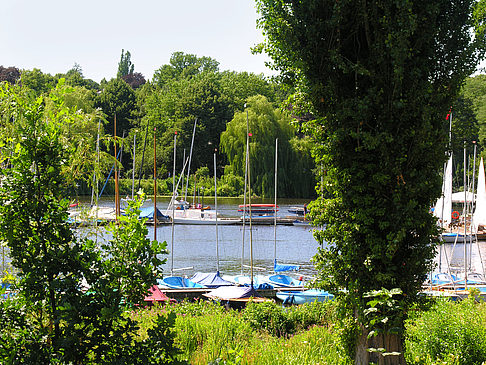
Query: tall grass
446, 334
208, 334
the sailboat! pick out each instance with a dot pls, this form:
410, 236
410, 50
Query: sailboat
174, 282
213, 280
280, 280
479, 216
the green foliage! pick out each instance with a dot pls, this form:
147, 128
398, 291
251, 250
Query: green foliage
380, 76
37, 81
267, 123
449, 333
175, 107
268, 317
53, 319
117, 98
279, 321
381, 313
207, 333
380, 133
125, 66
184, 66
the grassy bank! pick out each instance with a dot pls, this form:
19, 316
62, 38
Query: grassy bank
206, 333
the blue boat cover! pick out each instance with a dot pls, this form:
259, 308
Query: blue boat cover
306, 296
178, 282
232, 292
283, 281
279, 268
148, 213
210, 280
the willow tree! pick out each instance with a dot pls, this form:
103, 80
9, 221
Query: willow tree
267, 123
381, 76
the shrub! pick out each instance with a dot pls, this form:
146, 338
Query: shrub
449, 333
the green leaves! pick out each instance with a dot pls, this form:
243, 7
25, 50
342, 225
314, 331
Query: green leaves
56, 319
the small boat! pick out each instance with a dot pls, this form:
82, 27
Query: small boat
148, 213
306, 296
210, 280
201, 217
178, 282
259, 281
235, 295
300, 211
258, 209
156, 296
283, 281
455, 237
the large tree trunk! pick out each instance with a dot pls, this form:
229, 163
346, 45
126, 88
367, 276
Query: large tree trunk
390, 342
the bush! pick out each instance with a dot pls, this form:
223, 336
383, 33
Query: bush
449, 333
280, 321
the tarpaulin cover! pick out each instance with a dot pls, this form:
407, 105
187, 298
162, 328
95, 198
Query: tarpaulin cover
210, 280
156, 295
232, 292
178, 282
279, 267
148, 213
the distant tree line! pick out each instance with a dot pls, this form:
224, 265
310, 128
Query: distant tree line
188, 90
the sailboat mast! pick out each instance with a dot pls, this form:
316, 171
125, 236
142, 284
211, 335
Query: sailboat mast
95, 180
275, 208
143, 156
216, 213
244, 202
249, 196
133, 165
465, 214
190, 158
155, 187
173, 206
117, 194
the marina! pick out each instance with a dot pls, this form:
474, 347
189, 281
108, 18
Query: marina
195, 248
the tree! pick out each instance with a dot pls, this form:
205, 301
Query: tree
175, 107
125, 66
9, 74
117, 98
37, 81
381, 76
239, 86
74, 77
266, 124
135, 80
182, 65
54, 319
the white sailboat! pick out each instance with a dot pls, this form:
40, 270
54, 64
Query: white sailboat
479, 217
443, 207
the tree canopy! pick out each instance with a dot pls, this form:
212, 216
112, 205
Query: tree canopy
381, 76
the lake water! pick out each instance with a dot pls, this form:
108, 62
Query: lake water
195, 245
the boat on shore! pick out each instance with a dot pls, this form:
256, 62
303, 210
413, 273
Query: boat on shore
178, 282
306, 296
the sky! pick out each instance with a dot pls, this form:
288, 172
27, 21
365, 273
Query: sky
53, 35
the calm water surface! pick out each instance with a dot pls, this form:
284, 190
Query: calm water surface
194, 246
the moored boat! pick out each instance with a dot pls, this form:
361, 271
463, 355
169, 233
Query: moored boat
283, 281
258, 209
306, 296
178, 282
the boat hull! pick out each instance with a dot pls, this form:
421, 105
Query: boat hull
306, 296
